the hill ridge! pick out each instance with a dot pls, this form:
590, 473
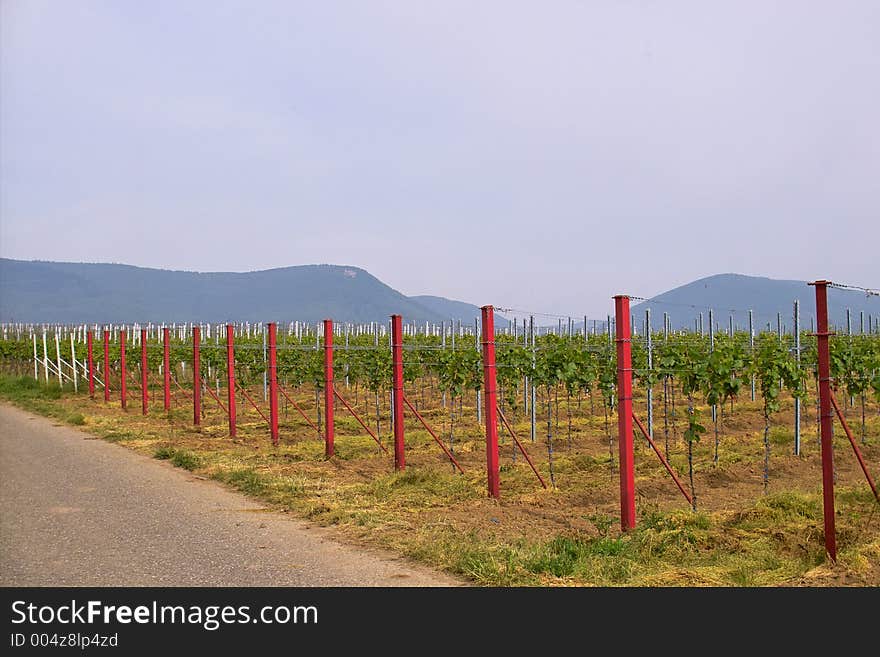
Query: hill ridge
733, 294
45, 290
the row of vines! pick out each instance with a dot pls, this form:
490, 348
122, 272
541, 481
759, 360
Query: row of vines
687, 369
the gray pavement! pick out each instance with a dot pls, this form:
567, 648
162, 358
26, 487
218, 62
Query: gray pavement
77, 511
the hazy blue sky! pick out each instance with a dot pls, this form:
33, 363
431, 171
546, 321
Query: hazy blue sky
538, 155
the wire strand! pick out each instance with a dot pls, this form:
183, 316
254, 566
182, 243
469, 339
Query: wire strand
870, 292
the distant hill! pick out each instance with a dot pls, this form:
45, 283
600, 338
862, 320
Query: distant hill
38, 291
735, 294
452, 309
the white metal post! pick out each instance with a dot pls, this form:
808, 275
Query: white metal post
73, 363
58, 356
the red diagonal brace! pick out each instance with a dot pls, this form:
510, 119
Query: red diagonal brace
150, 380
128, 391
301, 412
663, 461
855, 447
521, 448
182, 389
358, 418
248, 397
433, 435
216, 398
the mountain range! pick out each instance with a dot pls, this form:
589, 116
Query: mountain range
733, 295
66, 292
41, 291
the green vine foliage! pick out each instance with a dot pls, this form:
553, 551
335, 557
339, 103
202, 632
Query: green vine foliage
512, 364
459, 370
724, 371
773, 365
855, 364
606, 373
581, 366
692, 366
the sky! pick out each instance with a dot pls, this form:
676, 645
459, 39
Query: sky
540, 156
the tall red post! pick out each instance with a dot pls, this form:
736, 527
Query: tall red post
273, 384
145, 400
106, 364
122, 385
826, 418
91, 357
230, 376
397, 387
491, 401
197, 377
328, 388
624, 413
166, 367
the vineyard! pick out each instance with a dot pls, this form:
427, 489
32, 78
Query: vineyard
395, 432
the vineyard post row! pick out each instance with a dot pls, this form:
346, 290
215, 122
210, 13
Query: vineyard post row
489, 382
490, 414
623, 328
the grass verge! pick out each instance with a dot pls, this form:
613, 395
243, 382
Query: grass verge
567, 536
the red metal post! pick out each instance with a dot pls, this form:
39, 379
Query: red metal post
144, 393
230, 375
273, 385
123, 386
106, 365
197, 377
397, 387
91, 365
825, 413
328, 388
624, 413
166, 367
491, 401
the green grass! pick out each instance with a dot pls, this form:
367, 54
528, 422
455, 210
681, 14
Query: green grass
422, 487
247, 480
77, 419
118, 436
22, 388
781, 437
33, 395
280, 491
181, 458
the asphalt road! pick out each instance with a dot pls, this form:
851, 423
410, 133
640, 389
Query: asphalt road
77, 511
